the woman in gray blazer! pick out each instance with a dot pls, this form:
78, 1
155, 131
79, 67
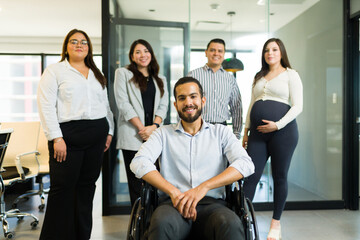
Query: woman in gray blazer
142, 99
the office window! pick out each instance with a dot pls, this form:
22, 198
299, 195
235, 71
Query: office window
19, 77
51, 59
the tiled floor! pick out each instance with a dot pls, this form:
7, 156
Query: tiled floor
296, 225
314, 225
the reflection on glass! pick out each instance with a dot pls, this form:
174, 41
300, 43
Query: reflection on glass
313, 39
265, 188
168, 47
316, 53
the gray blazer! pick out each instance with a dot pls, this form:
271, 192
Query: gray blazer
129, 102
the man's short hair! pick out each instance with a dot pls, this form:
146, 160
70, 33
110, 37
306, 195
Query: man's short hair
216, 40
184, 80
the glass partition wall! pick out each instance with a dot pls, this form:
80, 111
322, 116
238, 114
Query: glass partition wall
312, 31
169, 41
314, 42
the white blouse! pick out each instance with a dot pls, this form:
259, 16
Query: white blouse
286, 88
64, 94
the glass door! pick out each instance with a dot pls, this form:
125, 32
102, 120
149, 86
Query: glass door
168, 42
357, 100
317, 172
352, 111
168, 46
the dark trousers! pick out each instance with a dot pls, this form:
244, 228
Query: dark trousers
278, 145
134, 183
72, 182
214, 221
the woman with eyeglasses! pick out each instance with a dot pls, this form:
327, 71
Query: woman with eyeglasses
142, 99
77, 121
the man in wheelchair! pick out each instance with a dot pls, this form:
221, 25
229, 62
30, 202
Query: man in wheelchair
197, 160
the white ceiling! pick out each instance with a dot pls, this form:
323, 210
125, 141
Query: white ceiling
50, 18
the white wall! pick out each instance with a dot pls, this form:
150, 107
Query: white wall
39, 44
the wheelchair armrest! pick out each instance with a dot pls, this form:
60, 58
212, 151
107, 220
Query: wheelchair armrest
19, 165
148, 195
235, 196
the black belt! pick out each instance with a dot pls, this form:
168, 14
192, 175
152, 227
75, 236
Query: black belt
223, 123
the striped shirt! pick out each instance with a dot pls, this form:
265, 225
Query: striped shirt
221, 92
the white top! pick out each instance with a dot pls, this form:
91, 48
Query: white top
286, 88
64, 94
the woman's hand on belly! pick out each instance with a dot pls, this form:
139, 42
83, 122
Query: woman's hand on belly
268, 127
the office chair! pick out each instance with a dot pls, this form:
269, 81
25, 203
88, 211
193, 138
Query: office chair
148, 201
4, 142
44, 170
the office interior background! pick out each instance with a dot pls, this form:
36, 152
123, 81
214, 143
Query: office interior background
322, 41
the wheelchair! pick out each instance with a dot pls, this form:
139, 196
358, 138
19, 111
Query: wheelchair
145, 205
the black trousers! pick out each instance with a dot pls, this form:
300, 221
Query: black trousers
278, 145
72, 182
134, 183
214, 221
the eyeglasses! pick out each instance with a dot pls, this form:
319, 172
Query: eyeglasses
75, 42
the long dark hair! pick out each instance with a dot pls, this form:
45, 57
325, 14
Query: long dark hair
153, 68
264, 66
89, 62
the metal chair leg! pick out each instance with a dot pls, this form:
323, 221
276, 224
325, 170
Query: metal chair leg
11, 214
41, 192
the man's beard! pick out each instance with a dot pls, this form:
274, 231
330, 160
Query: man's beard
190, 119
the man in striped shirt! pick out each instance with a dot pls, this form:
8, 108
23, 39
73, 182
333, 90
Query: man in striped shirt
220, 88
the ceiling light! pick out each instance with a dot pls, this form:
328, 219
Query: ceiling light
261, 2
151, 10
214, 6
232, 64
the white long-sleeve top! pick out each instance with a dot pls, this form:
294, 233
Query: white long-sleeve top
64, 94
286, 88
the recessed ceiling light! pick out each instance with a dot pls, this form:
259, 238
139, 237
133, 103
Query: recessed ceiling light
0, 9
261, 2
151, 10
214, 6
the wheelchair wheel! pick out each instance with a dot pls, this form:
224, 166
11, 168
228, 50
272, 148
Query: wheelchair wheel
252, 231
133, 227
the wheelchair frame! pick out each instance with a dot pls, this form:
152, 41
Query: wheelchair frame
148, 201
